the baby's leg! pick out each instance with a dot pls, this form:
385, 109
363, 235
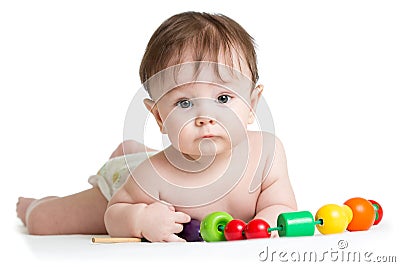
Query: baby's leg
24, 203
81, 213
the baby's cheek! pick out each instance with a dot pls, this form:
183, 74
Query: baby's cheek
184, 141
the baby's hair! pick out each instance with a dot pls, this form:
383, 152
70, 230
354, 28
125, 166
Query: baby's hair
205, 36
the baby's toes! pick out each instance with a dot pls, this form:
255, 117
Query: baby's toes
22, 205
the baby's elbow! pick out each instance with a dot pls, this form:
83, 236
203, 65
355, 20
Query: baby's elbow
290, 205
293, 206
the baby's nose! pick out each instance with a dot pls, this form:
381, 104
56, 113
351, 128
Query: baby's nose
200, 121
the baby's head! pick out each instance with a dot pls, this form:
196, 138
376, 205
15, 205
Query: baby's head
194, 36
204, 41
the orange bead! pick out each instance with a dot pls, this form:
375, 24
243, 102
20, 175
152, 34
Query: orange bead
363, 214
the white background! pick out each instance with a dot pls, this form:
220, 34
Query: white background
331, 70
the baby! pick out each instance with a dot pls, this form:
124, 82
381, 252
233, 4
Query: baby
200, 73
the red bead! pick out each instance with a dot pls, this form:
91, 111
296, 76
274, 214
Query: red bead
234, 230
378, 211
257, 228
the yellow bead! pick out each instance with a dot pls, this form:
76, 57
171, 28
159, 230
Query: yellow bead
349, 213
334, 218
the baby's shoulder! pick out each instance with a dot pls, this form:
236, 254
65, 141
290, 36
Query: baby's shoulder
261, 139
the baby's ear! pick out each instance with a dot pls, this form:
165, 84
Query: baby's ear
152, 107
254, 98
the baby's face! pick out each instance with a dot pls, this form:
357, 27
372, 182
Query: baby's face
207, 115
199, 118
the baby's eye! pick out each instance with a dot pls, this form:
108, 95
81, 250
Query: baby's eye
224, 98
184, 103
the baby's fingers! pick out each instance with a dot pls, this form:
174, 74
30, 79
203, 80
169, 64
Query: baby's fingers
177, 228
181, 217
174, 238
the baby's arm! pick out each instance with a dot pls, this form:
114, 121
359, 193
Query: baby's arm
132, 213
276, 194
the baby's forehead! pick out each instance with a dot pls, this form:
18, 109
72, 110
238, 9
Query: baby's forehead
225, 60
200, 74
189, 88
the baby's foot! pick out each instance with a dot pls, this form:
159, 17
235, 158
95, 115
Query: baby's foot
22, 206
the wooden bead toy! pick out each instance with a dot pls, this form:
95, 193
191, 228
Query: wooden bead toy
257, 228
191, 231
333, 218
234, 230
378, 211
357, 214
299, 223
363, 214
213, 225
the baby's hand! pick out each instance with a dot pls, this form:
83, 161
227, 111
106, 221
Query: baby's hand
160, 223
274, 234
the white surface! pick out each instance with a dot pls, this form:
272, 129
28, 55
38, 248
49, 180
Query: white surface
69, 69
358, 247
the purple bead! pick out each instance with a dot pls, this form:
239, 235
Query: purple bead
191, 231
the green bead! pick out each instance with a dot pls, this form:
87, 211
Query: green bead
212, 226
299, 223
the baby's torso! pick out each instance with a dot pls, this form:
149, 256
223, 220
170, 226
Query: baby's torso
235, 191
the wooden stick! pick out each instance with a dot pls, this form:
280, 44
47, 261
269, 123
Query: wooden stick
115, 239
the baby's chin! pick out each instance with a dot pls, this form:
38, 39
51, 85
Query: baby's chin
207, 148
206, 153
